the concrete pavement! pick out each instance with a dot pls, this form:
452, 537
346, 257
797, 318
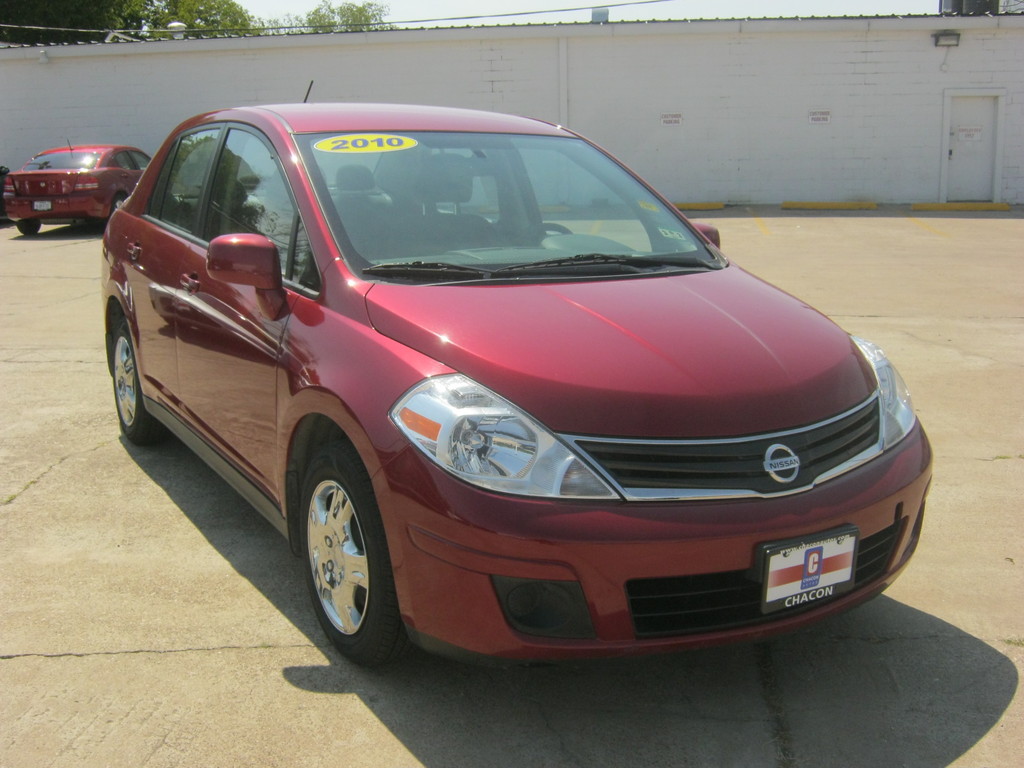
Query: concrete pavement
148, 617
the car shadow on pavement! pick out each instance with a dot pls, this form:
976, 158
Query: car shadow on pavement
884, 684
81, 231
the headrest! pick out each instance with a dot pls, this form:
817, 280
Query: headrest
446, 179
354, 178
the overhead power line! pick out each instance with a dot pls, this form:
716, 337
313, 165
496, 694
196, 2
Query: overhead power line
529, 13
161, 31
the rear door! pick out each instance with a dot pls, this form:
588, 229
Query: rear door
156, 254
124, 172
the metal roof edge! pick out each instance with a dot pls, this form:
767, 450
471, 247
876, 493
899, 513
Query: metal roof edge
740, 25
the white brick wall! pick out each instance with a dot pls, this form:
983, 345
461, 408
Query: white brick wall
744, 89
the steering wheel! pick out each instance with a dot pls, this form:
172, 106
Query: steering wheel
551, 228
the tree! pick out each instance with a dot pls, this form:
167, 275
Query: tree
63, 19
344, 17
197, 14
71, 21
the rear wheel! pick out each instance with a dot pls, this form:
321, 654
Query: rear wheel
348, 569
116, 203
137, 424
28, 227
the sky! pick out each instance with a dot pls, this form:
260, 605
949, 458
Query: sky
420, 11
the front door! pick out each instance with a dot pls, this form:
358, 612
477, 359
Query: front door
227, 346
971, 156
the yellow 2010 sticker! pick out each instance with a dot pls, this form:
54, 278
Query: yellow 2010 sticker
365, 142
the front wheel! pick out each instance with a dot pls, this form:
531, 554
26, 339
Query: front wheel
137, 424
348, 569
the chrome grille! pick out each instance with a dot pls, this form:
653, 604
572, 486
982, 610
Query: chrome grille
687, 469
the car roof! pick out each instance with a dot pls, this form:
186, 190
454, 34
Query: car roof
84, 148
323, 117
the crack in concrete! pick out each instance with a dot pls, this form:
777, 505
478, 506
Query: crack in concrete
11, 361
14, 496
153, 651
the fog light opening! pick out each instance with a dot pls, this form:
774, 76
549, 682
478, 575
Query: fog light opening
544, 608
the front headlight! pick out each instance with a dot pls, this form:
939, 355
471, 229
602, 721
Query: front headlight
485, 440
897, 408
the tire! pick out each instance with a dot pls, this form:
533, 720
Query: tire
28, 227
116, 203
348, 569
137, 424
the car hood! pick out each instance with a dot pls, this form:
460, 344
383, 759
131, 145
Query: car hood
714, 354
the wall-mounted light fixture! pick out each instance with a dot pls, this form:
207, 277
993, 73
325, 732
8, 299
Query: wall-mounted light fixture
946, 39
44, 57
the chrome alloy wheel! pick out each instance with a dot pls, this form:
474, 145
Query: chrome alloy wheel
124, 381
337, 557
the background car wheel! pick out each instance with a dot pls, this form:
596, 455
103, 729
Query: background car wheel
116, 203
137, 424
28, 227
348, 568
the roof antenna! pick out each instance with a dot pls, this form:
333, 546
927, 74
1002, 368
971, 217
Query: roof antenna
307, 92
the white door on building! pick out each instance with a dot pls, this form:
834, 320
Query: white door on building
972, 148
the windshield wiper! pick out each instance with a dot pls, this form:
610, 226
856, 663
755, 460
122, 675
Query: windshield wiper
431, 270
627, 263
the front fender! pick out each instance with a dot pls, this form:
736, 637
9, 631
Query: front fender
338, 378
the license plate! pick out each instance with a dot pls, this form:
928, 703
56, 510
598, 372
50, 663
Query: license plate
802, 571
42, 205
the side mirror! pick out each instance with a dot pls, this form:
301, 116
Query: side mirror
249, 259
710, 232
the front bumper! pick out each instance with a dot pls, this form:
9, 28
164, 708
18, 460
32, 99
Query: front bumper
455, 549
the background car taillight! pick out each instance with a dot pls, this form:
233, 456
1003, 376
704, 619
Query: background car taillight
84, 184
8, 186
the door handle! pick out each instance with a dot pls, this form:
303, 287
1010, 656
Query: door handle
134, 250
190, 283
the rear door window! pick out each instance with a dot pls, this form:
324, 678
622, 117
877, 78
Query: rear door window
182, 180
123, 160
141, 158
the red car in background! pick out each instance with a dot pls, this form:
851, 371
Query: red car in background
69, 184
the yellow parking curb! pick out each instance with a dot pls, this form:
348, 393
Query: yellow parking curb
699, 206
960, 207
832, 206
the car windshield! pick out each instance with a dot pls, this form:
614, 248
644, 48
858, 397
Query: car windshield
458, 206
63, 161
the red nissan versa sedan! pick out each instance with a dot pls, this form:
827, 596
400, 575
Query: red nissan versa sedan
69, 184
498, 393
